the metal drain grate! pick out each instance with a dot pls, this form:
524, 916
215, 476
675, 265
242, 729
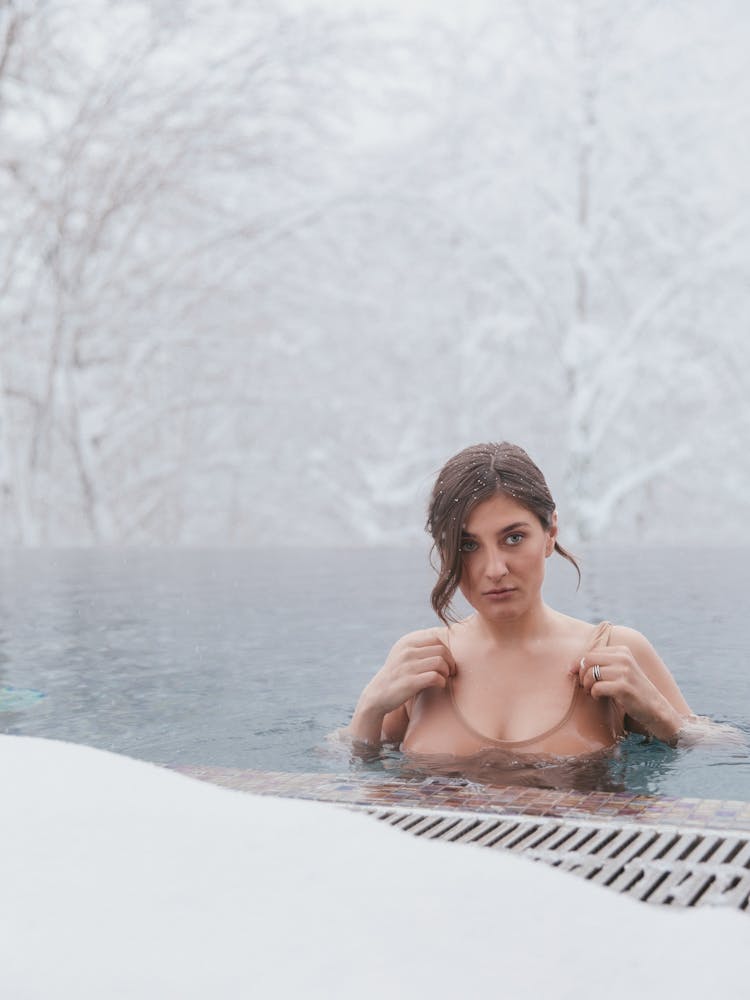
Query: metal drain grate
655, 864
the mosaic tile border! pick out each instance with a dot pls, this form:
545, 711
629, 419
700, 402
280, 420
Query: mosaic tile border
447, 794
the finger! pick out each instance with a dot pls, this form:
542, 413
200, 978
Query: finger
579, 667
437, 648
435, 663
604, 689
431, 678
425, 652
418, 640
594, 674
605, 655
450, 667
448, 657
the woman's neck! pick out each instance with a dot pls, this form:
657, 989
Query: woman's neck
534, 624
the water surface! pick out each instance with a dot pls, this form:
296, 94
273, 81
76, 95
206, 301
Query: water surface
249, 658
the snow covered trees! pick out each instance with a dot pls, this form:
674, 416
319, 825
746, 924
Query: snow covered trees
262, 268
146, 164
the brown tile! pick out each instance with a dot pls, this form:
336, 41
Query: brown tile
448, 795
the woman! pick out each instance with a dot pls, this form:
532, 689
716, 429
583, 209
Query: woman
515, 675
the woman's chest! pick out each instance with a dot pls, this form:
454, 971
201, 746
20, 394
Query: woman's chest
551, 717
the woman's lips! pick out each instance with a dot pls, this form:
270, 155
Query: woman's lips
500, 594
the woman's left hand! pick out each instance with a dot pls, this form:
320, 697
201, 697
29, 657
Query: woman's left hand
620, 677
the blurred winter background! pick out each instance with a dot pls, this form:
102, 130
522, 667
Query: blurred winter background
265, 265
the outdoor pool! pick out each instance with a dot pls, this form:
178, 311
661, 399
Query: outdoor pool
247, 659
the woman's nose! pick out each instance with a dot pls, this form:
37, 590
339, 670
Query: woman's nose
496, 565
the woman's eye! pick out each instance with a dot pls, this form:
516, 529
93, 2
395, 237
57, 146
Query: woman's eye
514, 539
467, 545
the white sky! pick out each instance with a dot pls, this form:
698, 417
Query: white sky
456, 12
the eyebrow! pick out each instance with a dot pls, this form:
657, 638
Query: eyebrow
501, 531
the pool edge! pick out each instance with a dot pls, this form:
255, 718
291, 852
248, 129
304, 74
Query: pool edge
449, 795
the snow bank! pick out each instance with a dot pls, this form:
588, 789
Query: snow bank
120, 879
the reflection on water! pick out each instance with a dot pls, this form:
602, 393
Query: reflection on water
604, 770
12, 698
596, 771
635, 765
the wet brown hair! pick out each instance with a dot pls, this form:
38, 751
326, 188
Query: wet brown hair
473, 475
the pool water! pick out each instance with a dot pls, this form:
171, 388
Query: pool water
247, 659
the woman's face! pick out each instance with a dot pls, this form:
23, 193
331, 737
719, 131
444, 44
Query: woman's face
504, 548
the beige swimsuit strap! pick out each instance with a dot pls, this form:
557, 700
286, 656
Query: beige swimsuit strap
601, 634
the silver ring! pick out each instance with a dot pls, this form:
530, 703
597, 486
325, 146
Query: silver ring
597, 673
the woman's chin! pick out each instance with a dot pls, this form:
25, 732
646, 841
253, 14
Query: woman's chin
502, 609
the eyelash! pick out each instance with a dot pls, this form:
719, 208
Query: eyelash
470, 541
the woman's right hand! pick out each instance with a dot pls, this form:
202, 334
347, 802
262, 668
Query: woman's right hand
417, 661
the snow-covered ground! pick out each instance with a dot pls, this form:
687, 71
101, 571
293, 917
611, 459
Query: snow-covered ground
120, 879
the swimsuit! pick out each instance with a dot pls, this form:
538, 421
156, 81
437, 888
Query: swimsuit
584, 727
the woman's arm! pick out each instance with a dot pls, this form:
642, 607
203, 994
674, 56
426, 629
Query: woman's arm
417, 661
373, 727
632, 673
692, 729
676, 713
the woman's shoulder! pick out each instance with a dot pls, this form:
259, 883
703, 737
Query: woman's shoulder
624, 635
578, 629
618, 635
